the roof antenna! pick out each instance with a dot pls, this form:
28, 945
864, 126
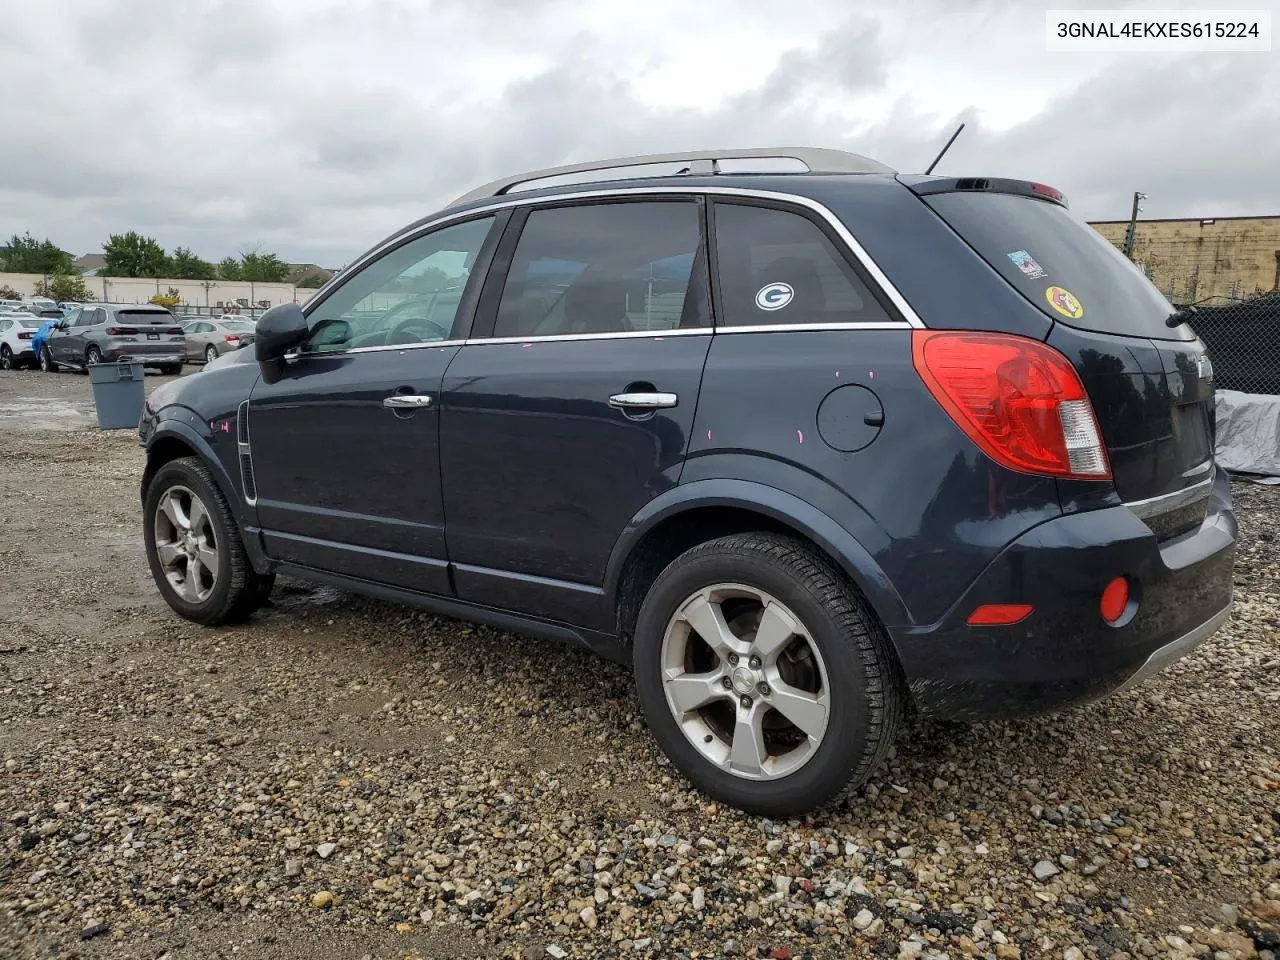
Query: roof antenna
944, 150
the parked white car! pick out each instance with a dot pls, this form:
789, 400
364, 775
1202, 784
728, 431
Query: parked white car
16, 333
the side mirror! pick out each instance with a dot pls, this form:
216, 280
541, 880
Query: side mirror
279, 330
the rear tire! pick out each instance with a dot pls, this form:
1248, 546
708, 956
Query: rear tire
221, 587
812, 650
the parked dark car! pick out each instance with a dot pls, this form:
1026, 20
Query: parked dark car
107, 332
806, 448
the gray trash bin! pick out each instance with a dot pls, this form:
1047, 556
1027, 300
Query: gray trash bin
118, 393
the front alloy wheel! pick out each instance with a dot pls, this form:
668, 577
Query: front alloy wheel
194, 546
186, 544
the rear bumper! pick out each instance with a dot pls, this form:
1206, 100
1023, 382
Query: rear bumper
1064, 653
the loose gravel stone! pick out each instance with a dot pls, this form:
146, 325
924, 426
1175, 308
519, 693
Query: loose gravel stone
1045, 869
489, 794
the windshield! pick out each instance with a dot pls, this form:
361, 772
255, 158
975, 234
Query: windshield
1062, 265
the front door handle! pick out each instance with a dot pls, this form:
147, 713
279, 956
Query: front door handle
400, 401
643, 401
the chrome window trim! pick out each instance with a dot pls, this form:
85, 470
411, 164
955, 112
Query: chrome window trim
912, 320
1171, 501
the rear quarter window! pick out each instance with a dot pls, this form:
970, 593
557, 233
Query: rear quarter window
1059, 263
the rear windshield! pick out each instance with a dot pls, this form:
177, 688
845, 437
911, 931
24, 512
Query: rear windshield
1063, 266
28, 323
146, 316
239, 326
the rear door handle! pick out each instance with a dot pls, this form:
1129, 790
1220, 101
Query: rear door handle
643, 401
400, 401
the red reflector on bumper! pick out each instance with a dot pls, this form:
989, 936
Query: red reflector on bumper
999, 614
1115, 598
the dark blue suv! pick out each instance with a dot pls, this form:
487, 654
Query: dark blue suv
806, 441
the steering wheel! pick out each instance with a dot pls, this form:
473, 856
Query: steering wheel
433, 328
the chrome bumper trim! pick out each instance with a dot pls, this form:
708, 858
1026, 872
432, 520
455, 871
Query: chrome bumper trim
1177, 649
1172, 501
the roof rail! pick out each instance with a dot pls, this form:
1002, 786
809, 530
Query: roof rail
692, 163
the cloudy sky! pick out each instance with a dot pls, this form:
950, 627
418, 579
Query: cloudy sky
314, 128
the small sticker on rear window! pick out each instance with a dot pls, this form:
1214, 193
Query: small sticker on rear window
1064, 302
1027, 264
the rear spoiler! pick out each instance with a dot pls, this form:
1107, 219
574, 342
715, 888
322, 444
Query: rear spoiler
924, 186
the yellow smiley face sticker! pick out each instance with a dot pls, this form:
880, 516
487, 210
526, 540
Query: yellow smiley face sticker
1064, 302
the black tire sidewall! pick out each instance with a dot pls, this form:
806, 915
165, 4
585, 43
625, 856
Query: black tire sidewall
847, 738
179, 472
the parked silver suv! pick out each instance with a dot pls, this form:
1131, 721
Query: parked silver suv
107, 332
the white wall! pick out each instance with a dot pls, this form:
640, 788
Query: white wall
194, 293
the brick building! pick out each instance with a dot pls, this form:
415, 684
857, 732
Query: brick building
1214, 259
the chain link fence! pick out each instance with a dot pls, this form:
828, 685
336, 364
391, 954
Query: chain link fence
1242, 338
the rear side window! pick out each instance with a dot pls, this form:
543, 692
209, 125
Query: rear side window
1062, 265
779, 267
605, 268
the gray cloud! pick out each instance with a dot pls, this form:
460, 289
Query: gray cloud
314, 132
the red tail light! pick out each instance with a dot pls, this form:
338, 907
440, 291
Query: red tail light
232, 338
121, 332
26, 335
1019, 400
174, 331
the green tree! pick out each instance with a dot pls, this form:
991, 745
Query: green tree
263, 267
230, 269
63, 287
187, 266
26, 254
133, 255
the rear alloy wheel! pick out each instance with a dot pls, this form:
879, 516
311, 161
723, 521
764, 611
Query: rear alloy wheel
6, 357
194, 548
210, 353
46, 361
92, 356
763, 675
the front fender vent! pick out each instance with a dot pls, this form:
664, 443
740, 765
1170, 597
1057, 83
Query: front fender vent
246, 455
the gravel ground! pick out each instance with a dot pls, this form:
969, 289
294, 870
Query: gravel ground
342, 778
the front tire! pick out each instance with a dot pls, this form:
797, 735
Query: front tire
210, 353
194, 548
763, 675
92, 356
46, 361
6, 357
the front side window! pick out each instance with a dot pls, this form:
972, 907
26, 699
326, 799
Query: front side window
605, 268
409, 295
87, 318
779, 267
